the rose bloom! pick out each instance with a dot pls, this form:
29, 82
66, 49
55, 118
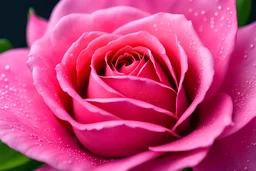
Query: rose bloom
108, 87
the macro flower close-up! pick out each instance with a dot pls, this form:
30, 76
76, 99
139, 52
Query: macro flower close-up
147, 85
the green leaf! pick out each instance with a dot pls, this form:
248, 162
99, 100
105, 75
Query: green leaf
13, 160
5, 45
187, 169
244, 8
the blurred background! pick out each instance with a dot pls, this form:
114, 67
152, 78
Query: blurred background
13, 17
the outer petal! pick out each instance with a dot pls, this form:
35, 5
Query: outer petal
235, 152
214, 116
214, 21
121, 138
36, 28
240, 83
174, 161
88, 6
71, 27
27, 124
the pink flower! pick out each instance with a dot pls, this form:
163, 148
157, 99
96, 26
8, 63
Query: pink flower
128, 88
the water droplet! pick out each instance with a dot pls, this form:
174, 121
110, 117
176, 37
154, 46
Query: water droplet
7, 67
195, 13
219, 7
190, 10
216, 13
5, 80
202, 12
252, 46
228, 8
71, 54
2, 75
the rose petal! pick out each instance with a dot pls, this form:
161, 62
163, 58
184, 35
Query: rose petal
80, 6
83, 66
199, 76
174, 161
26, 123
128, 163
73, 25
241, 79
36, 28
214, 21
148, 71
157, 68
182, 101
214, 116
122, 138
131, 109
87, 113
143, 89
235, 152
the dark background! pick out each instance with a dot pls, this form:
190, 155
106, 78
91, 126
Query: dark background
13, 17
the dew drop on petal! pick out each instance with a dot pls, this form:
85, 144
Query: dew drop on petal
7, 67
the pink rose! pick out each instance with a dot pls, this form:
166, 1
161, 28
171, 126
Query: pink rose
128, 88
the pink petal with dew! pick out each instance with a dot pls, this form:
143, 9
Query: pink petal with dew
234, 152
71, 27
240, 83
27, 124
175, 160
